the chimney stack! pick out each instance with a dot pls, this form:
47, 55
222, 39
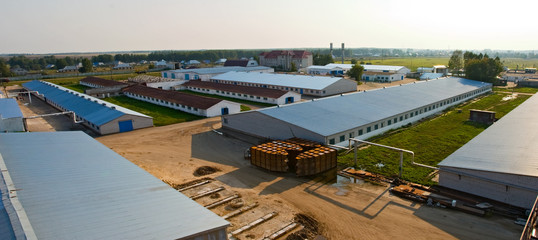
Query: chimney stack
331, 52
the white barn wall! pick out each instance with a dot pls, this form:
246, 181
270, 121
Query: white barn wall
263, 126
11, 124
113, 126
280, 101
165, 85
341, 86
522, 196
216, 109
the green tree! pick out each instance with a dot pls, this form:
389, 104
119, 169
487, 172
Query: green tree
4, 69
293, 67
60, 63
356, 72
481, 67
456, 62
86, 66
353, 61
322, 59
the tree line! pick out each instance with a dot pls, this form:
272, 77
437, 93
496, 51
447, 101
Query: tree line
480, 67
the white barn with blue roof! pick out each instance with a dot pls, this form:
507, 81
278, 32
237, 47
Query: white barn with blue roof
11, 118
100, 116
334, 120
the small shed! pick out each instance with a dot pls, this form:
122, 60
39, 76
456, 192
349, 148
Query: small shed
481, 116
11, 118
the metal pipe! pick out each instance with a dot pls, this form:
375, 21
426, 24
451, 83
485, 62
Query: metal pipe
56, 114
354, 140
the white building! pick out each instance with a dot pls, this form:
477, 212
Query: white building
255, 94
122, 66
156, 82
325, 70
501, 162
303, 84
11, 118
205, 74
334, 120
193, 104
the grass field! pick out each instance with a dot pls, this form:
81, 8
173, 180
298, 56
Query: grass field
431, 141
516, 89
77, 87
230, 99
161, 115
414, 63
75, 80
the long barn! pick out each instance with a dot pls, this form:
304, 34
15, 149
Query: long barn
501, 163
67, 185
100, 116
334, 120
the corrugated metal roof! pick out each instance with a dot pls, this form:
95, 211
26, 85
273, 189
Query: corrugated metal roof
510, 145
287, 80
323, 67
102, 82
6, 229
256, 91
367, 67
87, 107
428, 76
217, 70
191, 100
9, 108
73, 187
340, 113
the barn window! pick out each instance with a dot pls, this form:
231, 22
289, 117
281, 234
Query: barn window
376, 127
342, 138
351, 134
331, 141
368, 129
360, 132
389, 122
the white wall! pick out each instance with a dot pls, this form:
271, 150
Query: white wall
281, 100
165, 85
216, 110
11, 124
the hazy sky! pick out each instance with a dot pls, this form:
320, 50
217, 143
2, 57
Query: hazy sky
38, 26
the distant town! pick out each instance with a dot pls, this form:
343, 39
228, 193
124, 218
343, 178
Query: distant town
328, 143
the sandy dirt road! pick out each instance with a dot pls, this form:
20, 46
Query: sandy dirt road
344, 210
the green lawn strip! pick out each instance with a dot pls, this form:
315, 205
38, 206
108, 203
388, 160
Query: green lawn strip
431, 140
230, 99
245, 108
77, 87
74, 80
161, 115
516, 89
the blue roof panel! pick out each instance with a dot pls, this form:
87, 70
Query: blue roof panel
92, 109
9, 108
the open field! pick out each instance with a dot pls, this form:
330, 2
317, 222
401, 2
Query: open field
516, 89
431, 141
75, 80
161, 115
77, 87
343, 209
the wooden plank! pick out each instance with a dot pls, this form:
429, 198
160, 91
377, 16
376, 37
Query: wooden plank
220, 202
239, 211
193, 186
287, 228
207, 193
252, 224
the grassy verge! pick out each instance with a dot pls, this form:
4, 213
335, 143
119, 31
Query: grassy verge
431, 141
230, 99
516, 89
245, 108
161, 115
77, 87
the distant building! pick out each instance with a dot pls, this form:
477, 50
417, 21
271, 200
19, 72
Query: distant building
325, 70
156, 82
282, 59
193, 62
193, 104
518, 77
123, 66
255, 94
73, 68
240, 63
205, 74
19, 71
435, 69
530, 70
49, 66
102, 88
220, 61
163, 64
11, 118
379, 73
430, 76
319, 86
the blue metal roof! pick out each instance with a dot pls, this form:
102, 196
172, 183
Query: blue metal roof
332, 115
507, 146
276, 79
92, 109
73, 187
9, 108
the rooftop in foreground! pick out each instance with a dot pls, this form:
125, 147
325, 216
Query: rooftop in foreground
73, 187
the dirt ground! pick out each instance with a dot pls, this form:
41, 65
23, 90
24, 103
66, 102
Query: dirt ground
345, 210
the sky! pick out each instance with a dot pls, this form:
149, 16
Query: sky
59, 26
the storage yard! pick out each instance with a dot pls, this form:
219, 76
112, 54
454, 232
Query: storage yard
343, 209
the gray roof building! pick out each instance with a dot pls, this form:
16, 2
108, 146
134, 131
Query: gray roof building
501, 163
11, 118
333, 120
66, 185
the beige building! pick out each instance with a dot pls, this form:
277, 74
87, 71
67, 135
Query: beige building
283, 59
